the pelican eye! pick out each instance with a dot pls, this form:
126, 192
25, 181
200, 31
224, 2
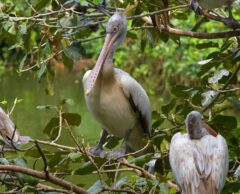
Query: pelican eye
115, 29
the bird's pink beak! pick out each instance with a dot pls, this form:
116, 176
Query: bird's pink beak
210, 129
109, 40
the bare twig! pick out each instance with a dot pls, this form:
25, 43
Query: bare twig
83, 150
30, 5
13, 107
60, 127
136, 152
140, 171
158, 12
72, 136
43, 158
117, 190
46, 188
59, 146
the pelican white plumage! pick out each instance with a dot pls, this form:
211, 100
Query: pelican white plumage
116, 100
199, 159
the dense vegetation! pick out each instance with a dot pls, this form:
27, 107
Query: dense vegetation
185, 62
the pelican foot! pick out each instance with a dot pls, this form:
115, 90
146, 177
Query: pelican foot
194, 5
116, 154
97, 151
231, 23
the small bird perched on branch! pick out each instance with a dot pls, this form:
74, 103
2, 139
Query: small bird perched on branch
198, 6
199, 159
8, 132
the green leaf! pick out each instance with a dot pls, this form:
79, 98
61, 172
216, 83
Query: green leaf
207, 45
143, 41
73, 119
225, 123
20, 162
22, 63
141, 160
74, 51
235, 102
181, 91
34, 153
23, 28
42, 70
41, 4
86, 168
112, 142
95, 188
4, 161
68, 62
24, 178
9, 26
157, 123
237, 172
52, 124
131, 35
157, 139
168, 107
74, 156
55, 159
121, 182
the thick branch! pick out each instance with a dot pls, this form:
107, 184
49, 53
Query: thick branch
41, 175
187, 33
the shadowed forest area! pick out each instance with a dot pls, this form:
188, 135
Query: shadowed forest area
183, 60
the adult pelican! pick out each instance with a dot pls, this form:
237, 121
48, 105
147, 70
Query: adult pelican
116, 100
199, 159
198, 5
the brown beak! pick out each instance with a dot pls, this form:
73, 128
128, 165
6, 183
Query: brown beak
210, 129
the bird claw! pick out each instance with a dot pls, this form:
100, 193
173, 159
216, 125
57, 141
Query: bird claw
194, 5
97, 151
231, 23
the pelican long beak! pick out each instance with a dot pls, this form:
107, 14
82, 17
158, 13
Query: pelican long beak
107, 47
210, 129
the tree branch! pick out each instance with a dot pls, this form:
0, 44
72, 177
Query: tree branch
57, 181
118, 190
187, 33
59, 146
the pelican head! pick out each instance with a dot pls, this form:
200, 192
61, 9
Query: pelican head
116, 30
193, 124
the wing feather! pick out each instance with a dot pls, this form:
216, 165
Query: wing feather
137, 98
181, 158
199, 165
220, 161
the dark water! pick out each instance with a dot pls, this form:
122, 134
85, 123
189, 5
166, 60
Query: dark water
30, 120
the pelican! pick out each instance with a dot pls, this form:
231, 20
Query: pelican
199, 159
116, 100
198, 5
8, 132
